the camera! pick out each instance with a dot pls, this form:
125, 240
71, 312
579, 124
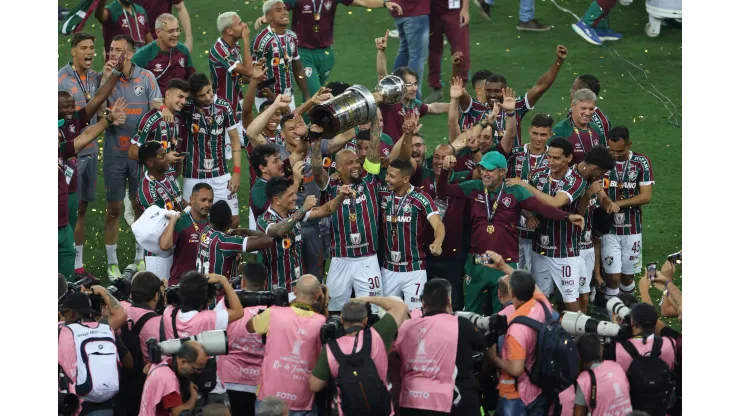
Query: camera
576, 323
617, 307
675, 258
120, 287
96, 302
494, 325
172, 293
333, 327
278, 297
214, 343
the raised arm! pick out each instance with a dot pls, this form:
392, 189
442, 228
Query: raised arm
92, 132
254, 130
118, 316
101, 12
380, 62
402, 148
235, 309
258, 73
331, 206
317, 166
102, 94
373, 150
453, 111
167, 239
438, 108
393, 306
548, 78
184, 17
282, 228
509, 106
444, 188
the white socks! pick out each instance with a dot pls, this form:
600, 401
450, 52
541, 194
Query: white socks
611, 293
139, 253
78, 257
111, 251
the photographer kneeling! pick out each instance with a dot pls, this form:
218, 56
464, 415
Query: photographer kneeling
293, 345
192, 317
369, 350
168, 388
436, 353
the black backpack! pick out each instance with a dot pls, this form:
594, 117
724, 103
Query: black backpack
362, 391
651, 385
556, 364
206, 380
132, 380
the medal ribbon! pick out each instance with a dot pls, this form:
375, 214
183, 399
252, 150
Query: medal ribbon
492, 211
137, 39
400, 205
170, 195
317, 11
85, 88
578, 134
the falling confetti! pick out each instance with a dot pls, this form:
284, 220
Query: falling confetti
349, 12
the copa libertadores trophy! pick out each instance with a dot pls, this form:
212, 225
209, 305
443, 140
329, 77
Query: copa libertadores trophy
356, 106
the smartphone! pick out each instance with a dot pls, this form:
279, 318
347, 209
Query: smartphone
675, 258
269, 82
652, 268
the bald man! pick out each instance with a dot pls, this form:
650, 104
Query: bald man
162, 388
293, 344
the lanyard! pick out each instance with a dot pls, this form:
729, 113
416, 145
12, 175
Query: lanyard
283, 54
170, 195
317, 12
169, 62
540, 159
195, 223
138, 38
131, 73
85, 88
492, 211
578, 134
400, 205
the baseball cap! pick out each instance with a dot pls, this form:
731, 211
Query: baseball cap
644, 315
60, 123
78, 302
493, 160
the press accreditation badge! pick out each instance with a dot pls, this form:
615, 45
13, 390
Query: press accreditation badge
453, 4
68, 173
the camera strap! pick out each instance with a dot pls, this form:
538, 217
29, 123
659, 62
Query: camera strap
174, 322
593, 388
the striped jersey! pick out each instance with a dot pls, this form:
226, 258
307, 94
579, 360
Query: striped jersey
354, 225
165, 65
283, 257
598, 118
219, 253
122, 22
222, 59
152, 127
624, 182
279, 52
404, 220
588, 218
558, 238
139, 91
69, 132
476, 111
582, 140
86, 84
165, 194
204, 132
521, 164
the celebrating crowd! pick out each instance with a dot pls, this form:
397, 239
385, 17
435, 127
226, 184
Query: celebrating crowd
385, 277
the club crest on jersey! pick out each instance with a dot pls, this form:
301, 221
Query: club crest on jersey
632, 175
619, 218
158, 68
544, 240
308, 71
163, 125
582, 282
608, 260
587, 236
407, 208
543, 179
520, 158
219, 118
124, 23
141, 20
181, 61
386, 152
72, 128
327, 5
467, 279
138, 90
506, 201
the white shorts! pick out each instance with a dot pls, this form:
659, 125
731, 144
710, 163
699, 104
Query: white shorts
221, 192
258, 102
563, 271
408, 284
362, 273
587, 259
621, 253
525, 254
160, 266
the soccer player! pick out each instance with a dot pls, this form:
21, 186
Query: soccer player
315, 31
156, 8
166, 57
183, 232
556, 248
496, 84
467, 117
629, 185
230, 71
79, 102
279, 47
158, 186
405, 212
139, 88
267, 159
447, 20
206, 121
592, 83
578, 128
220, 247
393, 115
123, 17
522, 161
282, 222
495, 208
594, 25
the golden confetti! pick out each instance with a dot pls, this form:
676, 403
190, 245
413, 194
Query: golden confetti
204, 33
646, 51
508, 50
349, 12
369, 10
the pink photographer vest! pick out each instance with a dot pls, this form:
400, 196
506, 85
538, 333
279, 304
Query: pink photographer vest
243, 364
378, 354
202, 321
160, 382
416, 313
150, 329
292, 349
612, 390
427, 347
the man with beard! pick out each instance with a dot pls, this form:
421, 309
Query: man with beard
279, 46
183, 232
139, 88
168, 379
472, 144
556, 247
78, 107
123, 17
578, 128
496, 84
166, 57
206, 120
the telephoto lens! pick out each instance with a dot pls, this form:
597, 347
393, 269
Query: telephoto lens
576, 323
617, 307
213, 342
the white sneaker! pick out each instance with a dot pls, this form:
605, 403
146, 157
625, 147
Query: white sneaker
128, 211
393, 33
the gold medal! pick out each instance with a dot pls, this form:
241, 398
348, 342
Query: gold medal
316, 17
87, 96
316, 28
393, 220
353, 217
490, 229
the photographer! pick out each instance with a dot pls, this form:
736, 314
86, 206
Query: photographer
94, 381
168, 388
517, 394
192, 317
240, 369
354, 319
436, 353
609, 396
293, 345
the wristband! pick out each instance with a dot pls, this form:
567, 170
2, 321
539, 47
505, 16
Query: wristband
512, 114
237, 169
